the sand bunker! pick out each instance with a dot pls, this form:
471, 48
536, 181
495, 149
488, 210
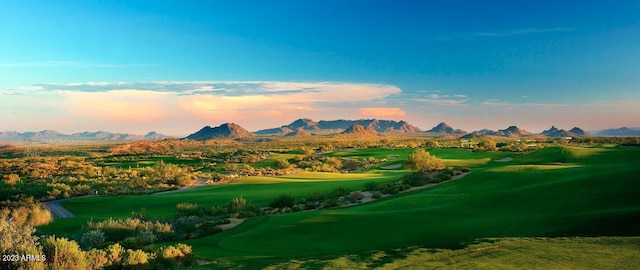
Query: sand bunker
392, 167
507, 159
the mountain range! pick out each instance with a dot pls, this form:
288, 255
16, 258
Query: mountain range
558, 133
337, 126
618, 132
307, 127
52, 135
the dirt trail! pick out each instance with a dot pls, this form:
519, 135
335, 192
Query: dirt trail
194, 184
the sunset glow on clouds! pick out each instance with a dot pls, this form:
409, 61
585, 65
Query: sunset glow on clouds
184, 106
178, 108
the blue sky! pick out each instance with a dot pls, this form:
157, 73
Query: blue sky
175, 66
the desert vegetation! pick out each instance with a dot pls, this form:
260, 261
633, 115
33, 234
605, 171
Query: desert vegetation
300, 193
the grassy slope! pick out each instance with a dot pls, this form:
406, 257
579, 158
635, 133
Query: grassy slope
503, 253
597, 198
592, 192
258, 190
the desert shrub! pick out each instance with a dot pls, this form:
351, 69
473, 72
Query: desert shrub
237, 204
134, 242
296, 208
189, 209
172, 257
63, 253
390, 189
96, 258
308, 205
415, 179
339, 192
282, 164
92, 238
207, 228
115, 230
250, 210
376, 195
114, 254
370, 186
315, 197
332, 202
464, 170
282, 201
141, 215
135, 257
356, 196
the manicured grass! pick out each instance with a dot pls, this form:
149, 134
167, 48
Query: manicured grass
552, 192
594, 199
379, 153
257, 190
503, 253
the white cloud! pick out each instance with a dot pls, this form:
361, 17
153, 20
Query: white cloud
252, 104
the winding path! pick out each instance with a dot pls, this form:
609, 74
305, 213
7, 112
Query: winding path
57, 210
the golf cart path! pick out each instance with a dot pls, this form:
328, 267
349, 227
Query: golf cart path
58, 211
194, 184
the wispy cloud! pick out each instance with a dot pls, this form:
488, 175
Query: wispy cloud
523, 31
250, 103
508, 33
441, 99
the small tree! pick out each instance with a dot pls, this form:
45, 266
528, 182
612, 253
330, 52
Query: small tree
420, 160
282, 164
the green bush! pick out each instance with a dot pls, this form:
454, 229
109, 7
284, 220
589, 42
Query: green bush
370, 186
185, 209
92, 238
282, 201
330, 203
339, 192
308, 205
415, 179
315, 197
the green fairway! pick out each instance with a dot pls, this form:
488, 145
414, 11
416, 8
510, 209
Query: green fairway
258, 190
502, 253
599, 197
552, 192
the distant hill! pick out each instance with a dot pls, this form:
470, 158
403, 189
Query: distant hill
360, 131
52, 136
618, 132
227, 130
298, 133
511, 132
554, 132
152, 136
337, 126
443, 128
